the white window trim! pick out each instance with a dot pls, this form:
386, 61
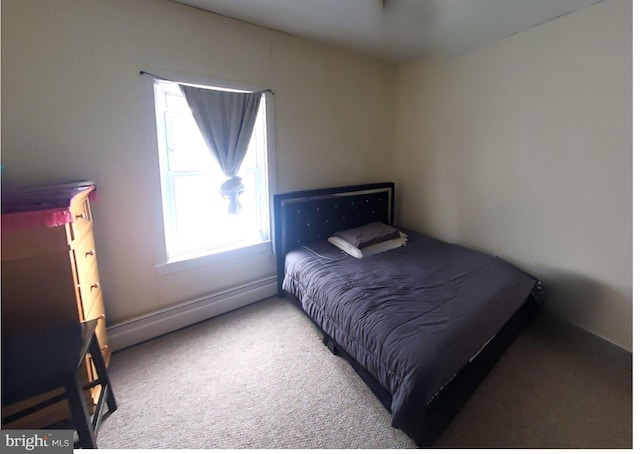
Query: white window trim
164, 265
217, 258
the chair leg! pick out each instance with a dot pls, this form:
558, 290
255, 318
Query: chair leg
79, 413
103, 376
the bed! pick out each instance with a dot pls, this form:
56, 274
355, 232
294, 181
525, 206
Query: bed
421, 323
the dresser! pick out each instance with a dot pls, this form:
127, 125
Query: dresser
49, 272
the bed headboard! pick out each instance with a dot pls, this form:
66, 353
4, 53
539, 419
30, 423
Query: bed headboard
302, 217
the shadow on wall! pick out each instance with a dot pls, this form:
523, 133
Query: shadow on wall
592, 305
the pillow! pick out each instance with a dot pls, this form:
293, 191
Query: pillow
369, 250
367, 235
345, 246
385, 245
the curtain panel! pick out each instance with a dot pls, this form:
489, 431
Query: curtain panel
226, 120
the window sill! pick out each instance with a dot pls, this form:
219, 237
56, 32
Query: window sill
208, 258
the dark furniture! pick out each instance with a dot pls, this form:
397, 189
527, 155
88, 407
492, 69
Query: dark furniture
303, 218
54, 359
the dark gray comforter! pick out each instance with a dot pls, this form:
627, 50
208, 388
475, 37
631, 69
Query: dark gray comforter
413, 316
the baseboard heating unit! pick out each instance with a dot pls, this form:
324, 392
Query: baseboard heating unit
146, 327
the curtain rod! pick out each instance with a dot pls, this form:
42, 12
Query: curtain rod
145, 73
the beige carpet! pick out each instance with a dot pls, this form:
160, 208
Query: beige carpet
260, 377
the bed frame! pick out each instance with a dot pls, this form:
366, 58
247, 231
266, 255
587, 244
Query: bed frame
303, 217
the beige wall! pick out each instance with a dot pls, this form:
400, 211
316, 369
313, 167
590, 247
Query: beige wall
74, 106
523, 149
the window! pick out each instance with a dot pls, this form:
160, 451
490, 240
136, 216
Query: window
195, 214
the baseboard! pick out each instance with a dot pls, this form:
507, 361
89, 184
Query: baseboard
140, 329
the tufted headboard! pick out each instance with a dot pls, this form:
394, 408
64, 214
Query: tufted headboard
302, 217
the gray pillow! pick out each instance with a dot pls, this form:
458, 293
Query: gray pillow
368, 235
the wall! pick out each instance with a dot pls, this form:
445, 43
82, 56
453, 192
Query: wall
75, 107
523, 149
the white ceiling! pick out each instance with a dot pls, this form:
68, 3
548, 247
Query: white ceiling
396, 29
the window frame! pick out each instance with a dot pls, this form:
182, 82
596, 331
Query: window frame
165, 263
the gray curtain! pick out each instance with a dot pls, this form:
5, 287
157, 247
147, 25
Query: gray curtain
226, 120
